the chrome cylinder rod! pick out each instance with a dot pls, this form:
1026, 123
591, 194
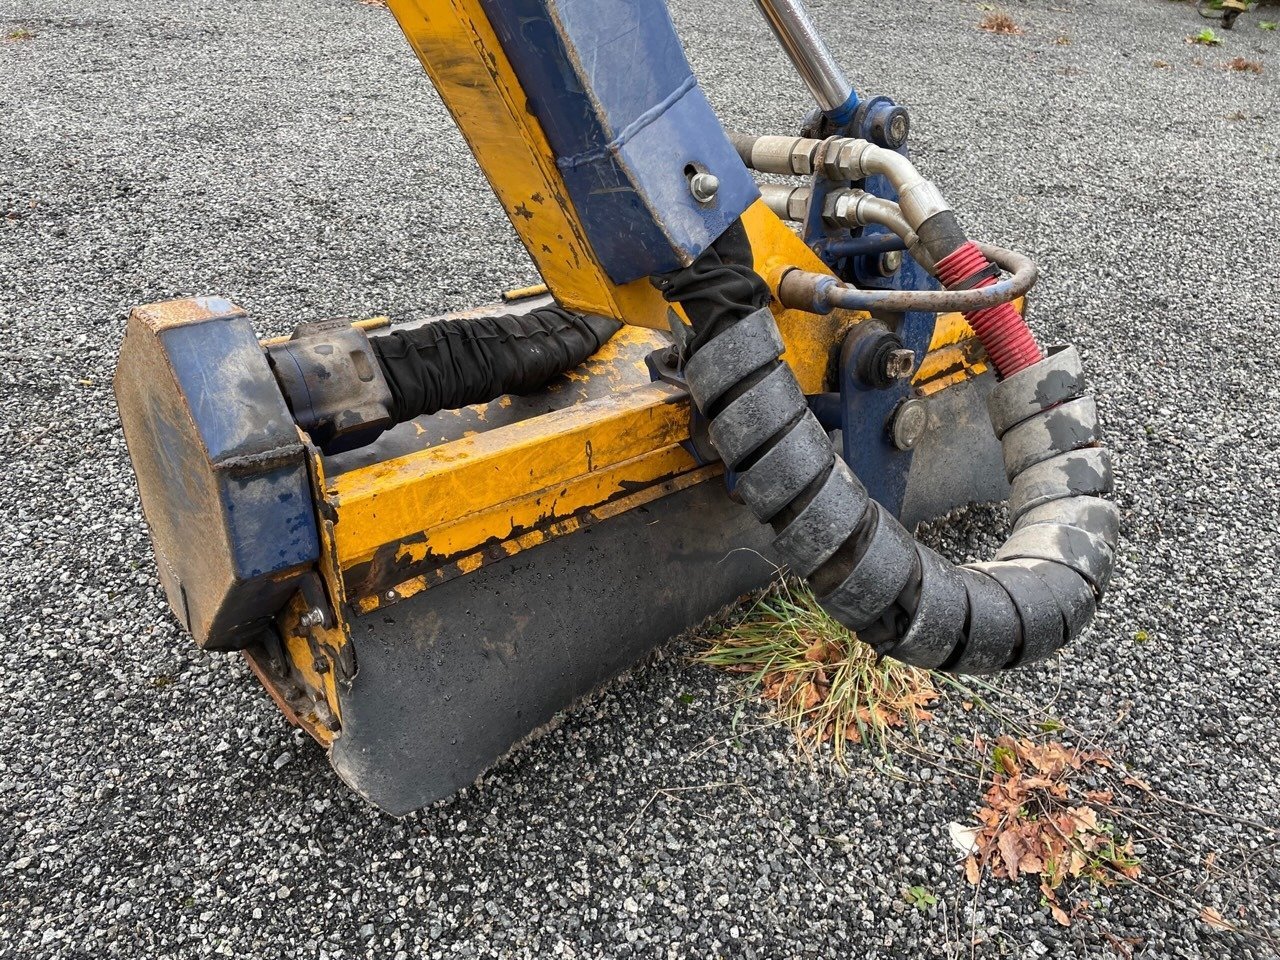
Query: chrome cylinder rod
814, 62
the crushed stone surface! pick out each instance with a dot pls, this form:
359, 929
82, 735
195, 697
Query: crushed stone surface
294, 158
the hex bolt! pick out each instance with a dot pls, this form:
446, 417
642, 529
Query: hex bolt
704, 186
909, 423
899, 364
899, 127
890, 262
312, 618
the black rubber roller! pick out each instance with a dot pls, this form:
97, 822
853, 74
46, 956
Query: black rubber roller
750, 420
782, 472
941, 609
749, 345
810, 532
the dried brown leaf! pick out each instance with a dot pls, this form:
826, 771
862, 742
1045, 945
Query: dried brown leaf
1086, 817
1214, 919
972, 872
1009, 852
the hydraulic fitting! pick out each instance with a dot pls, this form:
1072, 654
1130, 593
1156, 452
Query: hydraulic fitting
333, 384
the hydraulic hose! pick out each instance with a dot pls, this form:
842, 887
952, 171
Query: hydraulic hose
345, 388
822, 293
454, 363
901, 597
968, 270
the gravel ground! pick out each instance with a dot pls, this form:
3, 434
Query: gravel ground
293, 157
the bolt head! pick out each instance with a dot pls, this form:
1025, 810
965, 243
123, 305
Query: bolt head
900, 364
909, 424
890, 262
704, 187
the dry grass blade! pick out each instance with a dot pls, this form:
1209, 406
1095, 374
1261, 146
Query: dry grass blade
822, 681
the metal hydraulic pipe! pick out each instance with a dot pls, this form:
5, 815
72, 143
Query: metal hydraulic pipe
849, 208
813, 60
820, 293
845, 159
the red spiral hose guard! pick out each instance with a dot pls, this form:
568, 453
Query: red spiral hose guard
1006, 337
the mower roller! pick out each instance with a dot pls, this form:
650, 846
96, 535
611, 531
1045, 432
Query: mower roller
429, 537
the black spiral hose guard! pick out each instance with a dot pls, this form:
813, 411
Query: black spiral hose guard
867, 571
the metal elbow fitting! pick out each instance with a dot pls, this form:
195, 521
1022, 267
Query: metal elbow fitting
844, 158
918, 198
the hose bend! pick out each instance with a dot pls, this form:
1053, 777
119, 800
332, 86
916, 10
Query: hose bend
822, 293
901, 597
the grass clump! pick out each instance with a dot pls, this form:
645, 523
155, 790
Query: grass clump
820, 680
1241, 65
997, 21
1205, 38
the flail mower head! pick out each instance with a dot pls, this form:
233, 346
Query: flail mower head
427, 538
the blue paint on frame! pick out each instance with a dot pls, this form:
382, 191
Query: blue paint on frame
609, 83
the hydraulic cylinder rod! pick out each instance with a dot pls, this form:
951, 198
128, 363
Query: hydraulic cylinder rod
813, 60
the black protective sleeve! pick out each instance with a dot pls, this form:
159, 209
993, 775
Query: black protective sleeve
719, 288
454, 363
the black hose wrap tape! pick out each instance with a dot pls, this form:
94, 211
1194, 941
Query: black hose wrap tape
941, 610
790, 465
812, 536
745, 347
1065, 428
994, 628
451, 364
1043, 625
886, 563
1081, 473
